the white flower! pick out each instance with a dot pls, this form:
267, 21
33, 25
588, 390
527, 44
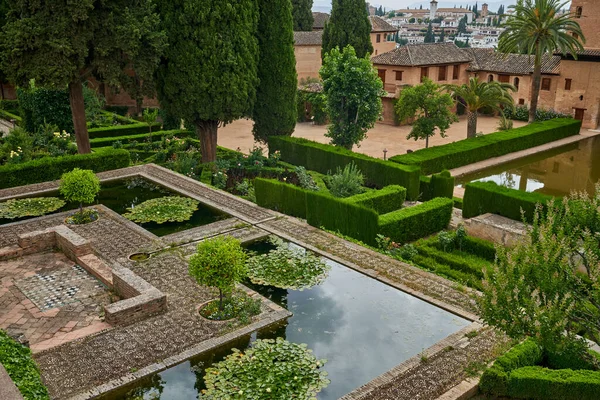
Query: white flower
268, 390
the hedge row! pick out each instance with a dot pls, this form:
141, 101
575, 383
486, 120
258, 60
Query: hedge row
21, 368
436, 185
4, 114
121, 130
412, 223
383, 201
158, 135
468, 151
488, 197
324, 158
279, 196
51, 168
443, 269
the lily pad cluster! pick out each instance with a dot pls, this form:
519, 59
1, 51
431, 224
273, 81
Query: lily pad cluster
287, 268
270, 369
30, 207
163, 209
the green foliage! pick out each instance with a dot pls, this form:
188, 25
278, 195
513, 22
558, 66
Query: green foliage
505, 124
80, 185
521, 113
385, 200
445, 239
163, 209
543, 384
418, 221
302, 15
322, 158
429, 35
427, 108
317, 104
22, 369
158, 136
82, 217
29, 207
438, 185
489, 197
280, 196
353, 91
239, 306
287, 268
269, 370
150, 117
16, 147
346, 182
476, 149
348, 25
51, 168
204, 78
43, 105
121, 130
274, 111
219, 262
306, 180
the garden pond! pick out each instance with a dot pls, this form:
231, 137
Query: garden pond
555, 172
363, 327
122, 194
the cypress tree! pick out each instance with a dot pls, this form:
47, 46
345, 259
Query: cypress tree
442, 38
429, 36
275, 109
348, 25
302, 14
208, 75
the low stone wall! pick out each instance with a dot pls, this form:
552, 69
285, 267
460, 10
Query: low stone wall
141, 299
496, 229
8, 390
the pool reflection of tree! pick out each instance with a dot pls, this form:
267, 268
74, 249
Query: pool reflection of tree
150, 388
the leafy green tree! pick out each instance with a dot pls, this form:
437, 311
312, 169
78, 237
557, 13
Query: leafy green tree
462, 26
150, 117
411, 20
80, 186
348, 25
442, 37
546, 286
208, 74
219, 262
477, 95
63, 43
428, 108
353, 90
302, 14
391, 14
537, 28
429, 36
275, 108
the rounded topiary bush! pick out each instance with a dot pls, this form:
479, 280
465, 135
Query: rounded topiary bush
80, 186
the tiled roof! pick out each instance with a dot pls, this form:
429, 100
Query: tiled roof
423, 54
379, 25
314, 38
319, 20
584, 52
315, 87
517, 64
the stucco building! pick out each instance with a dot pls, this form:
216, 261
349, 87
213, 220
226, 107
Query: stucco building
307, 49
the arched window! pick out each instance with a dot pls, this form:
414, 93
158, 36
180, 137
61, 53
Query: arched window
578, 12
490, 78
516, 83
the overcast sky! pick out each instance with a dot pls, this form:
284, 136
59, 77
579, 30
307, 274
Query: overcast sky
324, 5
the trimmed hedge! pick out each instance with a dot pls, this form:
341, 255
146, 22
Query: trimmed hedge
468, 151
22, 369
324, 158
412, 223
279, 196
385, 200
437, 185
447, 271
488, 197
4, 114
51, 168
340, 215
158, 135
545, 384
460, 261
121, 130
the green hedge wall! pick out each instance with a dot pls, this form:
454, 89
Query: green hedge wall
323, 158
488, 197
383, 201
121, 130
51, 168
340, 215
436, 185
4, 114
545, 384
279, 196
415, 222
22, 369
468, 151
156, 136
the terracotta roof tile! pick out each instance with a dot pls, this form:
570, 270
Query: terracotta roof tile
379, 25
319, 19
517, 64
314, 38
423, 54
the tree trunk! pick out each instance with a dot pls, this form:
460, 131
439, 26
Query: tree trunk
78, 113
471, 124
1, 90
139, 104
426, 142
535, 90
207, 133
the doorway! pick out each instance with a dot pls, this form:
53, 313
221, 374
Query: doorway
579, 112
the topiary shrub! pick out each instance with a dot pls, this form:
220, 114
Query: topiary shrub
163, 209
80, 186
269, 370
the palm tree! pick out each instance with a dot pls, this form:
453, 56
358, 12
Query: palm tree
477, 95
537, 28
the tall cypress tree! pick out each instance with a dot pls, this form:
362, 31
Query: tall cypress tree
348, 25
429, 36
302, 14
442, 37
275, 108
208, 75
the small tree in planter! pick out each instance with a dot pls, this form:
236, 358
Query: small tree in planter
81, 186
220, 263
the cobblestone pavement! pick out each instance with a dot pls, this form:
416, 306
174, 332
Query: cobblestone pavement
49, 299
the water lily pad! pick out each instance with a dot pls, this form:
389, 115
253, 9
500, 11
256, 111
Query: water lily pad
30, 207
163, 209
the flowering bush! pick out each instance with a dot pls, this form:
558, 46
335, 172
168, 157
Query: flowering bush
163, 209
269, 370
61, 144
